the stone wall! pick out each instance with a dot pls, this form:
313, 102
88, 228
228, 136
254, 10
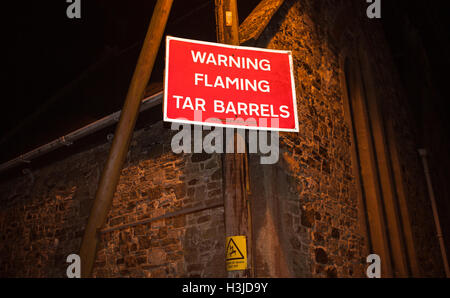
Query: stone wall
43, 216
155, 183
317, 220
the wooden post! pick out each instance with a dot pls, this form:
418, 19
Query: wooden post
227, 22
236, 204
122, 136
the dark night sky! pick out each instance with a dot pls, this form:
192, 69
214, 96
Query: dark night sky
95, 56
46, 52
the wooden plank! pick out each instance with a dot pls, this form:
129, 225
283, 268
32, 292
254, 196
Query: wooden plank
368, 169
257, 21
122, 136
236, 205
167, 215
386, 181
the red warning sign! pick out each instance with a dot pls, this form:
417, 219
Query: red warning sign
229, 86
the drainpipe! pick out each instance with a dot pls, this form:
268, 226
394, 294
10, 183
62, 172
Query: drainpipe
423, 155
70, 138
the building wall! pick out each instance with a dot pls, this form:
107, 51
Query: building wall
307, 220
43, 216
317, 218
154, 183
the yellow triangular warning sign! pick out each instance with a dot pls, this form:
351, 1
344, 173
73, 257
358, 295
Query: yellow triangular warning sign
233, 251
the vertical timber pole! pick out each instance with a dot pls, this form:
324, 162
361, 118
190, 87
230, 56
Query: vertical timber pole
227, 22
123, 134
236, 204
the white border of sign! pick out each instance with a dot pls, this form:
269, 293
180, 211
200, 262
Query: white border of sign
291, 68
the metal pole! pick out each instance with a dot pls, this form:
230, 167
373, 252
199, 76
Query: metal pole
423, 155
236, 204
122, 136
